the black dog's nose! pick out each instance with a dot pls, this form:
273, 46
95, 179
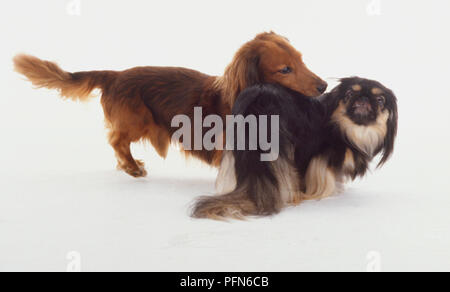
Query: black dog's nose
322, 87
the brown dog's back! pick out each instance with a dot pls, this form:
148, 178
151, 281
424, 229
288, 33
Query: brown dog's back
138, 103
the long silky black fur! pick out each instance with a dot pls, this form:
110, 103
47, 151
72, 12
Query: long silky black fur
307, 131
300, 119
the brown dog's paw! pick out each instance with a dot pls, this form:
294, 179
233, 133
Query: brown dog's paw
134, 171
141, 172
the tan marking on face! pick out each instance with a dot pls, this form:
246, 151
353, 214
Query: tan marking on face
357, 87
366, 138
376, 91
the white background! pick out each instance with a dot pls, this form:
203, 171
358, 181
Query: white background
60, 192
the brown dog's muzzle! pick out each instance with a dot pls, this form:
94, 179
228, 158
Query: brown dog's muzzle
309, 83
322, 87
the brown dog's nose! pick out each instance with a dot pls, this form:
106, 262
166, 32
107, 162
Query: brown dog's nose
322, 87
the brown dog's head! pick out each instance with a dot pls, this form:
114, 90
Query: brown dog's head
269, 58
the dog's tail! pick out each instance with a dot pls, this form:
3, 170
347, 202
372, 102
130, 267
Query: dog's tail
75, 86
234, 205
258, 200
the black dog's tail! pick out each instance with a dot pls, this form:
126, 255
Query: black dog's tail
250, 186
234, 205
257, 196
257, 193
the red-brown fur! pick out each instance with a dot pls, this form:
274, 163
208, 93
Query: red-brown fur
140, 103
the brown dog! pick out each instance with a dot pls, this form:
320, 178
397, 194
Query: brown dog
140, 103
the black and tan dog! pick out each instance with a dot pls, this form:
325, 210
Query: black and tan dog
323, 142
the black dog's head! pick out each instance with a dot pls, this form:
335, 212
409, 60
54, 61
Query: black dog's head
366, 113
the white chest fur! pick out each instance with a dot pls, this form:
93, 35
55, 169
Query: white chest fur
366, 138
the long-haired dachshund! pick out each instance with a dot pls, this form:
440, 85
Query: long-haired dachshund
323, 142
140, 103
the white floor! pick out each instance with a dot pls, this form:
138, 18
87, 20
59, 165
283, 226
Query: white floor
60, 193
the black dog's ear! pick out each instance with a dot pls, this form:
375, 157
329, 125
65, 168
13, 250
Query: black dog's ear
331, 100
392, 125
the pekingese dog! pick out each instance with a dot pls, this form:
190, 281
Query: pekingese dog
322, 143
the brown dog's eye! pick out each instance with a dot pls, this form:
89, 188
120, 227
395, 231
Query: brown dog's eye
286, 70
380, 100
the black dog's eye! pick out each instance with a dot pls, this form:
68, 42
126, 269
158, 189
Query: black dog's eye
286, 70
380, 100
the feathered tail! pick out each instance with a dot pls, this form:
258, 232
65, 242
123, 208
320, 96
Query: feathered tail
254, 194
234, 205
76, 86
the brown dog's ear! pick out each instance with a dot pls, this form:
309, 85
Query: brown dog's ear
251, 73
392, 125
243, 72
